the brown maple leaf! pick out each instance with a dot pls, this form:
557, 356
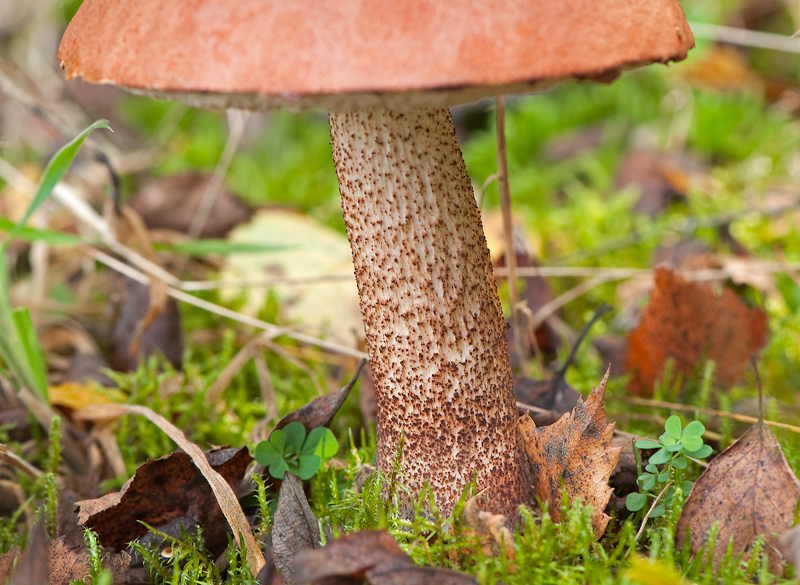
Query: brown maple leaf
575, 452
750, 490
688, 321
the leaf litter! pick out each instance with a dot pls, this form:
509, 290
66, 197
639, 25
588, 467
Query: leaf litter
574, 454
689, 321
748, 490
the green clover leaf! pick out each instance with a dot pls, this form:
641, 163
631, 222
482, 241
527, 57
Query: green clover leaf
692, 443
673, 427
693, 429
660, 456
648, 444
295, 434
635, 502
700, 453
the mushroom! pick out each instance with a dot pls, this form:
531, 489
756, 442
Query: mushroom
386, 72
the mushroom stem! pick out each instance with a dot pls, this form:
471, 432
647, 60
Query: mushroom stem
434, 326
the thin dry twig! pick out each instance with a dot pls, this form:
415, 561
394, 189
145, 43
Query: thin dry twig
197, 285
789, 270
745, 37
273, 329
227, 374
238, 122
551, 307
707, 411
264, 342
650, 511
268, 393
508, 234
17, 462
482, 191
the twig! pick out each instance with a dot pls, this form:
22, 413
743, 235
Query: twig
745, 37
229, 371
268, 393
198, 285
508, 234
551, 307
482, 191
14, 460
707, 411
238, 121
273, 329
264, 342
650, 511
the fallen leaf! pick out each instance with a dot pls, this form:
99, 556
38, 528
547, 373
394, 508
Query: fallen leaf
68, 564
575, 452
157, 332
723, 68
7, 560
413, 575
350, 556
223, 492
295, 527
750, 490
171, 202
162, 491
659, 181
555, 396
309, 250
688, 321
372, 556
789, 547
320, 411
74, 396
32, 566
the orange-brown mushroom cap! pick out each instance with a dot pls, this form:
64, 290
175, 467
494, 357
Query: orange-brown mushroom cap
351, 54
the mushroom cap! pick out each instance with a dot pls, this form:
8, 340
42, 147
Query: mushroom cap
355, 54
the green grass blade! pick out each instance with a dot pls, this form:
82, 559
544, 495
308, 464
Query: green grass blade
221, 247
55, 170
29, 346
50, 237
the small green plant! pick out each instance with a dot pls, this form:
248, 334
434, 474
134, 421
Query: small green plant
289, 449
674, 446
20, 354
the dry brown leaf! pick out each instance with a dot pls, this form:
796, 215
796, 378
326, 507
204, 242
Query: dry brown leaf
575, 452
372, 556
142, 327
350, 556
750, 490
295, 528
789, 547
33, 562
659, 180
320, 411
69, 564
724, 68
688, 321
165, 491
7, 560
222, 491
171, 202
